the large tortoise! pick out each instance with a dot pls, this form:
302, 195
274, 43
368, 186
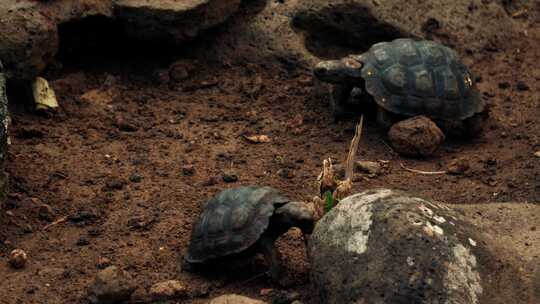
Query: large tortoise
240, 222
408, 78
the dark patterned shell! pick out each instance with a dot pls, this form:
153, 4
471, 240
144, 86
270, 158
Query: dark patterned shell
420, 78
232, 221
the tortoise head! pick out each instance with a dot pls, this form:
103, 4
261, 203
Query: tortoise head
345, 70
296, 214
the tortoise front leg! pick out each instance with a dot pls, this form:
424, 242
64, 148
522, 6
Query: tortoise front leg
384, 119
340, 94
273, 260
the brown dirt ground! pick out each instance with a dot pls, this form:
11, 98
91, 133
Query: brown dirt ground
133, 122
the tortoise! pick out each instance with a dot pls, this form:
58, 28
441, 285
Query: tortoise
408, 78
240, 222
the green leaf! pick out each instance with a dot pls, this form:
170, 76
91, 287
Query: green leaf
329, 201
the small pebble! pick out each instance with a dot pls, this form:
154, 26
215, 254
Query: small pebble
188, 170
537, 154
135, 178
46, 212
230, 177
522, 86
18, 258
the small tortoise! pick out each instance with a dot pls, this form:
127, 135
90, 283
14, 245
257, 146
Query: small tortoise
408, 78
240, 222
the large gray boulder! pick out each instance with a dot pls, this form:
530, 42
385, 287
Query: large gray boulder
384, 246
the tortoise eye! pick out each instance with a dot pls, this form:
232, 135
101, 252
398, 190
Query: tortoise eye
468, 80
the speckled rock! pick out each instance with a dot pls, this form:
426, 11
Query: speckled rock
384, 246
416, 137
112, 285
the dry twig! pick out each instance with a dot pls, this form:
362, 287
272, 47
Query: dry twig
422, 172
58, 221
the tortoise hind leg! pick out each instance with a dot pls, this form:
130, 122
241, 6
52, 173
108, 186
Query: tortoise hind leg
273, 261
473, 126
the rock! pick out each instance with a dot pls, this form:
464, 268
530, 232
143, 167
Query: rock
180, 70
369, 167
416, 137
172, 20
188, 170
484, 25
168, 290
522, 86
284, 297
29, 39
46, 212
234, 299
103, 263
537, 154
285, 173
230, 177
4, 126
458, 166
136, 178
18, 258
112, 285
385, 246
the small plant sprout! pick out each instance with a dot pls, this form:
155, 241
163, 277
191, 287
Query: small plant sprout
332, 190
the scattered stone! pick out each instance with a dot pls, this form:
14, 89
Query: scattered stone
114, 184
82, 241
414, 249
522, 86
46, 213
103, 263
236, 299
18, 258
258, 138
188, 170
212, 180
537, 154
167, 290
143, 222
44, 95
181, 70
284, 297
230, 177
124, 124
285, 173
458, 166
370, 167
416, 137
83, 217
136, 178
504, 85
112, 285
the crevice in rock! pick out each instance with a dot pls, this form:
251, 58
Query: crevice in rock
342, 29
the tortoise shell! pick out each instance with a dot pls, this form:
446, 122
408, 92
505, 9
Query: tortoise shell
412, 78
232, 221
